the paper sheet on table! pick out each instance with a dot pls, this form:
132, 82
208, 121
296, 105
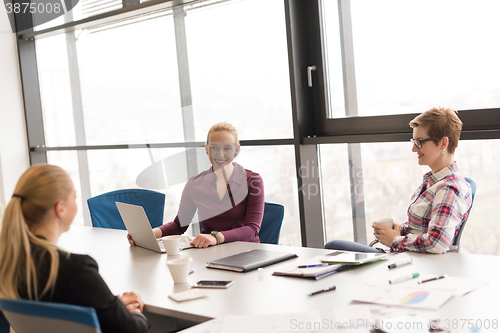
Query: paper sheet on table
272, 323
413, 297
355, 316
185, 242
461, 286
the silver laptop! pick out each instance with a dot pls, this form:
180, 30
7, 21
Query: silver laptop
138, 227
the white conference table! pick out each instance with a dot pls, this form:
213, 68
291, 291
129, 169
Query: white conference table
126, 268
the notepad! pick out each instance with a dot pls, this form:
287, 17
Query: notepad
250, 260
188, 295
314, 273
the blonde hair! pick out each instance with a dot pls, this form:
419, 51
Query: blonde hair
224, 126
440, 122
37, 191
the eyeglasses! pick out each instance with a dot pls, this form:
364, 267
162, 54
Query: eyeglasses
418, 143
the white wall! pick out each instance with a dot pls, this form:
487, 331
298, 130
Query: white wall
14, 159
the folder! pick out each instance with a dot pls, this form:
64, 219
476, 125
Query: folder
352, 258
314, 273
250, 260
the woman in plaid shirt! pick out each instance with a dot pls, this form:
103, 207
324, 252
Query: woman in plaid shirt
440, 205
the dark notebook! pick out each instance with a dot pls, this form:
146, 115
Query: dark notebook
250, 260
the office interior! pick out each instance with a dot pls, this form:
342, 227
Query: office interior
321, 92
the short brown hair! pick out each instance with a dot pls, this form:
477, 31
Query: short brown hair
440, 122
224, 126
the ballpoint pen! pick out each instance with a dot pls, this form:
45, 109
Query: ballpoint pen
433, 279
400, 263
404, 278
323, 291
316, 265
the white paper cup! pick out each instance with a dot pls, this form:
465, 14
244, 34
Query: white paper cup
388, 222
172, 244
179, 269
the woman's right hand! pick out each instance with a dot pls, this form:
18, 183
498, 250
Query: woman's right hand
130, 240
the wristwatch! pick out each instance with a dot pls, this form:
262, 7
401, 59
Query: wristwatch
216, 235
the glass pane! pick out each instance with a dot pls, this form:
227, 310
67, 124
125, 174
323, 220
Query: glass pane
240, 74
477, 162
111, 170
390, 176
129, 84
410, 56
336, 189
69, 162
276, 165
334, 58
55, 89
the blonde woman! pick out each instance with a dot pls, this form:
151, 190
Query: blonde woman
229, 198
33, 267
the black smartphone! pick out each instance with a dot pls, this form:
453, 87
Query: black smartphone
213, 284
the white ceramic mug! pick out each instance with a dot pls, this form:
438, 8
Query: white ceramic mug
172, 244
388, 222
179, 269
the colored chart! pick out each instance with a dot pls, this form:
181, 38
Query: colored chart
414, 298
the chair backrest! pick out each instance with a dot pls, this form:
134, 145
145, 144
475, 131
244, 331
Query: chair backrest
271, 223
456, 242
44, 317
104, 213
4, 324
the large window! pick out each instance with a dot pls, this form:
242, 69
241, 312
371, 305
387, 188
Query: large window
326, 87
410, 56
130, 87
238, 66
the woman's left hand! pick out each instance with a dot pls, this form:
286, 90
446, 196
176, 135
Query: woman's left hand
386, 235
203, 240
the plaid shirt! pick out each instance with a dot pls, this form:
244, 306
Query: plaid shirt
438, 208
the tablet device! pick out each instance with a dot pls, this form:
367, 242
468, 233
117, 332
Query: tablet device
138, 226
352, 258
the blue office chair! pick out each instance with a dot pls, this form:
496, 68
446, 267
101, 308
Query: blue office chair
104, 213
456, 242
4, 324
44, 317
271, 223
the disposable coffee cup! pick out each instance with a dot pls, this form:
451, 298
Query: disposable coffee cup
388, 222
180, 268
172, 244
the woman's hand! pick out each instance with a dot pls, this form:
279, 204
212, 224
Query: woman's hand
386, 235
130, 240
204, 240
132, 301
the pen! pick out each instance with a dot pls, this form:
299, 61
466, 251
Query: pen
322, 291
191, 271
400, 263
317, 265
433, 279
404, 278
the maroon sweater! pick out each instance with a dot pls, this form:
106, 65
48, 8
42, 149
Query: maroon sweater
238, 215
